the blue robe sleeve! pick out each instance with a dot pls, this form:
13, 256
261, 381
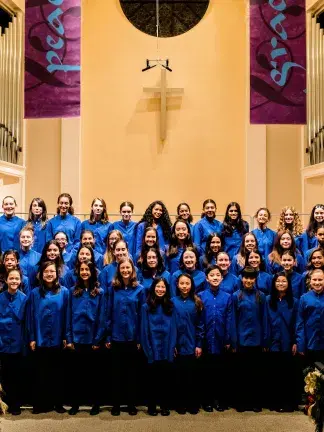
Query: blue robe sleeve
30, 319
264, 321
229, 321
300, 328
145, 334
172, 337
200, 330
109, 313
49, 231
101, 329
173, 285
138, 239
77, 234
68, 327
197, 235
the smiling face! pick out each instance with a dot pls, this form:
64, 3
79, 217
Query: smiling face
210, 210
85, 272
87, 239
61, 240
287, 262
317, 259
254, 260
36, 209
184, 212
10, 262
64, 205
319, 215
249, 242
317, 281
84, 255
281, 285
214, 278
26, 239
262, 217
49, 274
286, 241
126, 213
13, 281
215, 244
52, 252
125, 270
151, 259
223, 261
233, 213
248, 282
189, 260
160, 289
157, 211
9, 206
320, 236
97, 207
112, 238
181, 231
150, 238
120, 251
289, 217
184, 286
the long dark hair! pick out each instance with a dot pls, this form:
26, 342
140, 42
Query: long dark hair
189, 249
104, 215
154, 301
190, 218
43, 218
309, 264
262, 266
59, 261
5, 285
3, 270
229, 225
174, 242
274, 292
68, 196
42, 287
164, 220
209, 254
93, 280
192, 295
277, 251
208, 201
145, 247
92, 259
249, 272
146, 270
312, 224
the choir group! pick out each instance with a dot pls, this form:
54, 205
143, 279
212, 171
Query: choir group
179, 316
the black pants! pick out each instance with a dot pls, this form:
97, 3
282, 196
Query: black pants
214, 375
159, 384
187, 380
48, 390
124, 370
84, 370
250, 377
282, 379
11, 379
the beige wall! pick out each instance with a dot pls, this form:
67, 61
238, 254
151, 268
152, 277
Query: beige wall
283, 167
204, 153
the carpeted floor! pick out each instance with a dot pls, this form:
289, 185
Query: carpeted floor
205, 422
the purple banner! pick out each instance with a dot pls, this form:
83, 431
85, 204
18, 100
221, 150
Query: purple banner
278, 62
52, 58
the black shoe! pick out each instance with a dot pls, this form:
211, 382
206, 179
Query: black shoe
132, 410
115, 410
208, 408
95, 410
41, 410
219, 408
152, 411
241, 408
165, 412
74, 410
193, 410
256, 409
60, 409
15, 411
181, 411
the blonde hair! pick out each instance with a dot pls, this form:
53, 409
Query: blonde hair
297, 225
109, 257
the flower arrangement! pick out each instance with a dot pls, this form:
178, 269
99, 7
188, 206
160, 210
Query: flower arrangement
315, 395
3, 406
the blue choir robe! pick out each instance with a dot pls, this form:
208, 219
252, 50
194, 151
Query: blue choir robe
73, 258
198, 276
146, 280
297, 284
307, 242
68, 224
39, 235
189, 326
100, 232
124, 309
263, 282
281, 325
217, 318
140, 229
24, 287
48, 317
203, 266
310, 322
236, 267
265, 240
9, 232
173, 263
87, 324
128, 232
202, 229
273, 267
107, 275
28, 259
230, 283
250, 319
158, 334
12, 321
233, 242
